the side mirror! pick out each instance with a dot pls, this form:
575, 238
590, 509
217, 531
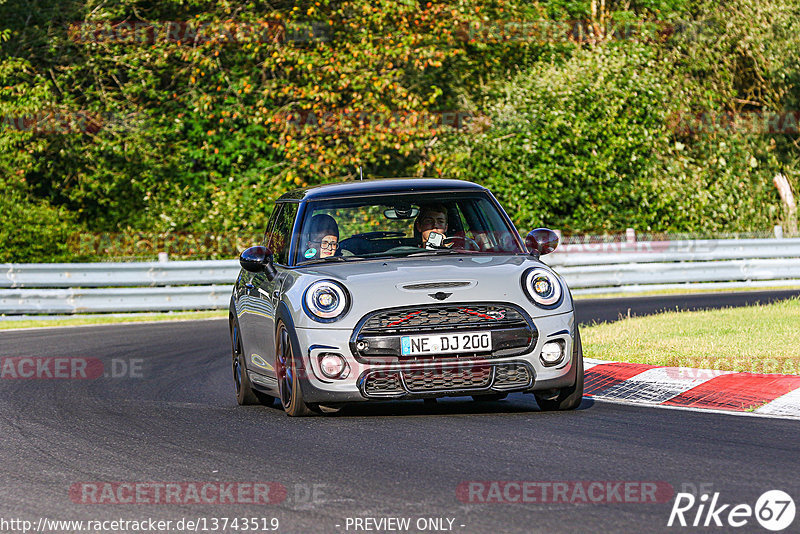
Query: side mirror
541, 241
258, 259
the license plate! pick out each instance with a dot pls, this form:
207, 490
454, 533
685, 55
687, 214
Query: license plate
446, 343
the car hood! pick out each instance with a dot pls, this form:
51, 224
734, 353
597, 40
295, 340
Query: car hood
378, 284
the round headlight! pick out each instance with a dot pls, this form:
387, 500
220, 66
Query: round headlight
326, 300
542, 287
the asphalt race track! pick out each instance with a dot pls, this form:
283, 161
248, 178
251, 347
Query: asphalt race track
176, 420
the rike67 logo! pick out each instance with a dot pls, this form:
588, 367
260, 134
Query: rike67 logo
774, 510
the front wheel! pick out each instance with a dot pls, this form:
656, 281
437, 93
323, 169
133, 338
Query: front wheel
289, 375
568, 398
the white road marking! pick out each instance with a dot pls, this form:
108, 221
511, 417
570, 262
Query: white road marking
787, 405
588, 363
660, 384
691, 409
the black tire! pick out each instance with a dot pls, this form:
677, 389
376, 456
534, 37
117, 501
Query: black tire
490, 397
288, 375
570, 397
241, 380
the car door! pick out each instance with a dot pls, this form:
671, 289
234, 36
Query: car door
266, 293
248, 301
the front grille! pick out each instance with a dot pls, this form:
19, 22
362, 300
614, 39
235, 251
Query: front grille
439, 317
422, 380
399, 383
511, 375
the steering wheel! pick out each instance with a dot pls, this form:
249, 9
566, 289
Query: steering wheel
466, 243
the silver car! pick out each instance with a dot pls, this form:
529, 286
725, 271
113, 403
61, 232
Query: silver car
400, 289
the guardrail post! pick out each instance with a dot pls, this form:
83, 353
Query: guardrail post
163, 257
630, 235
778, 231
785, 192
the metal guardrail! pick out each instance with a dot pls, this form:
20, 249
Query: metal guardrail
127, 299
150, 274
627, 267
569, 255
633, 267
116, 287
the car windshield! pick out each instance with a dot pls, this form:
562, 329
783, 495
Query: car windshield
403, 225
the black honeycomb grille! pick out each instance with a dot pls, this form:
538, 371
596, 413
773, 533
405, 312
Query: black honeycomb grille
422, 380
395, 383
383, 383
443, 317
511, 375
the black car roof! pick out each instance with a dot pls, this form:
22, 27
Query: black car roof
380, 186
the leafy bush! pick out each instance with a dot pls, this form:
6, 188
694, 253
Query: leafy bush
591, 146
571, 145
32, 231
197, 139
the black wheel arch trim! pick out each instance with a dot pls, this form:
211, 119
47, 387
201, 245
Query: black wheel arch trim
284, 315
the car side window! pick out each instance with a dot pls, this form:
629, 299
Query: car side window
270, 232
271, 225
282, 233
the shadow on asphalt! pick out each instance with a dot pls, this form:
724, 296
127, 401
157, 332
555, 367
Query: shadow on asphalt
514, 404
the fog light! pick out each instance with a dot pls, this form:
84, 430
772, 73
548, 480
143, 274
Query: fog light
333, 365
552, 352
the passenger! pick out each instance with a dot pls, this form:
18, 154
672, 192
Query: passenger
323, 237
431, 225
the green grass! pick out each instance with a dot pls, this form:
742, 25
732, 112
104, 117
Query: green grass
757, 339
682, 291
73, 320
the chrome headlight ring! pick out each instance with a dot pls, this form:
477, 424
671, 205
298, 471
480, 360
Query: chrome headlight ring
542, 287
326, 301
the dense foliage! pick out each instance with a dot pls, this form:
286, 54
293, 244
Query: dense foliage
144, 118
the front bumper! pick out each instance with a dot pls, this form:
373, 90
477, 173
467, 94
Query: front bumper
391, 379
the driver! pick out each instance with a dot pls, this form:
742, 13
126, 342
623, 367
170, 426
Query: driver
323, 237
431, 224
